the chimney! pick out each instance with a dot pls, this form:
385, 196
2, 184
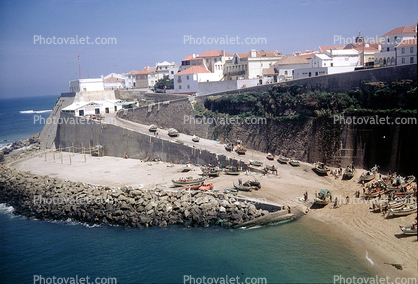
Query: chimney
223, 52
193, 55
253, 53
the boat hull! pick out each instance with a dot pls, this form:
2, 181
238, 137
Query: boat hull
408, 230
188, 182
242, 187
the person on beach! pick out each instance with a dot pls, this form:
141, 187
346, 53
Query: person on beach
288, 209
335, 202
347, 199
306, 196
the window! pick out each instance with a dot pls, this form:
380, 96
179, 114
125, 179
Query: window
116, 108
332, 64
411, 49
388, 49
285, 72
188, 86
388, 40
97, 111
172, 72
179, 87
403, 50
403, 60
411, 60
187, 77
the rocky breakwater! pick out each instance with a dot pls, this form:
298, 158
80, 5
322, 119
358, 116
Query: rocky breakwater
34, 140
44, 197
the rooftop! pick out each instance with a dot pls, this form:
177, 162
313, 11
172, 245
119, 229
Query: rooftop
292, 59
193, 70
213, 53
401, 30
333, 47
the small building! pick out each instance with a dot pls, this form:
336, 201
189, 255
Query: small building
147, 77
285, 67
187, 81
330, 62
166, 69
96, 107
114, 81
86, 85
130, 79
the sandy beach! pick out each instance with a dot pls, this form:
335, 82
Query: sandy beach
369, 234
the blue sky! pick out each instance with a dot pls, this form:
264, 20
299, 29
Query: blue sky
153, 31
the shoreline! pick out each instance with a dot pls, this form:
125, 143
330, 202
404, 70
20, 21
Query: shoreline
348, 222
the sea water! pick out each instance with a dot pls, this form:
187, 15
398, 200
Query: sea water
295, 252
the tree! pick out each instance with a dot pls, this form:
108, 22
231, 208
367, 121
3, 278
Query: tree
164, 83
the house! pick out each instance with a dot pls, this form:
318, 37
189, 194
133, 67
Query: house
406, 52
166, 69
322, 49
330, 62
390, 42
250, 65
285, 66
86, 85
147, 77
187, 81
207, 59
114, 81
130, 79
366, 50
94, 107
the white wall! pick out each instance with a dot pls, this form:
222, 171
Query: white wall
82, 85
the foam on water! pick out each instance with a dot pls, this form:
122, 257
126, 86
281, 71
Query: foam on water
35, 111
368, 258
6, 209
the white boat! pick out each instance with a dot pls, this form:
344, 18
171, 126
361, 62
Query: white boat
409, 230
294, 162
152, 128
403, 211
255, 163
369, 175
189, 181
195, 138
173, 132
320, 168
282, 159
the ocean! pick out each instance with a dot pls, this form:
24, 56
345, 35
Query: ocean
302, 251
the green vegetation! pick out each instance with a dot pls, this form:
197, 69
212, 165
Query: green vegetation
294, 102
164, 83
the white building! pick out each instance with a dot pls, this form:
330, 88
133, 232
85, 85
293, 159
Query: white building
114, 81
166, 69
87, 85
330, 62
208, 60
285, 67
250, 65
187, 81
130, 79
94, 107
406, 52
390, 42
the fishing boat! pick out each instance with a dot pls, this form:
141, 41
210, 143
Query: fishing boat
396, 203
211, 171
397, 184
254, 183
409, 230
192, 186
349, 172
282, 159
323, 197
403, 211
270, 156
374, 192
242, 187
188, 181
232, 191
368, 176
320, 168
187, 168
229, 146
172, 132
152, 128
206, 186
294, 162
240, 149
232, 171
255, 163
195, 138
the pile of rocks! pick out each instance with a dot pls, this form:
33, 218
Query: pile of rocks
44, 197
19, 144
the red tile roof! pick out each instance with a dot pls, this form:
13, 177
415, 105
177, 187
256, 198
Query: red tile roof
408, 42
359, 46
213, 53
308, 55
269, 71
261, 53
292, 59
147, 70
400, 30
133, 72
333, 47
188, 57
193, 70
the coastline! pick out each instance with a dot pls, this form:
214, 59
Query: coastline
350, 222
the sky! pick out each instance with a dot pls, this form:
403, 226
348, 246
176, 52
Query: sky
33, 63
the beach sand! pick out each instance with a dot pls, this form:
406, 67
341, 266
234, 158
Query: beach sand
375, 239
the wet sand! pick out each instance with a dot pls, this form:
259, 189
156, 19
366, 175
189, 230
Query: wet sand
369, 234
